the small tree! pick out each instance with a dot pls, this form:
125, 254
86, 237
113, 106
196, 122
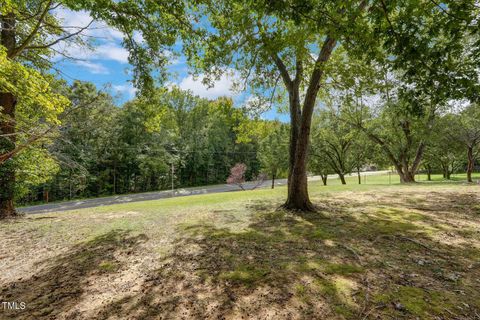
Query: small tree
237, 175
318, 162
335, 140
273, 151
464, 129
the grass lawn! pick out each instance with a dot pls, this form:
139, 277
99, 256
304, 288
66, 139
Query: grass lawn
372, 251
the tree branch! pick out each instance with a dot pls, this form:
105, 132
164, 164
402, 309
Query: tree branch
66, 37
32, 34
283, 71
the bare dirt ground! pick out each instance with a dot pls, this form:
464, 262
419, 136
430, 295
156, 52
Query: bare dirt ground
381, 253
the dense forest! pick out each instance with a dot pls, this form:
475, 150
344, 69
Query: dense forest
103, 149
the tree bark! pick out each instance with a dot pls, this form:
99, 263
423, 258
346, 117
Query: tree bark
342, 178
429, 173
324, 179
446, 171
273, 180
298, 198
7, 127
470, 163
406, 176
359, 176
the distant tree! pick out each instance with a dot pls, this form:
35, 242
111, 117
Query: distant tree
334, 139
363, 152
273, 151
465, 129
237, 175
443, 152
395, 95
318, 161
259, 179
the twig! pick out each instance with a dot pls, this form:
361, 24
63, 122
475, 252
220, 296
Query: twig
370, 311
477, 315
415, 241
404, 238
367, 299
352, 251
450, 312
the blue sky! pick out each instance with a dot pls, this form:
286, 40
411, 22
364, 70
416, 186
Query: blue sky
106, 65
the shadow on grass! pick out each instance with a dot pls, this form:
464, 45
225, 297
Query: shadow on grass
59, 286
374, 259
329, 265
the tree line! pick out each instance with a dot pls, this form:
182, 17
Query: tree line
149, 143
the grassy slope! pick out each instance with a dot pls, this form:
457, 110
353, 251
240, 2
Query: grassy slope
374, 250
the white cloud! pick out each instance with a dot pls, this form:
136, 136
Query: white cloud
125, 89
221, 87
95, 68
106, 47
111, 51
106, 51
78, 19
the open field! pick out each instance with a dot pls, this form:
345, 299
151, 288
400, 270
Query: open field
373, 251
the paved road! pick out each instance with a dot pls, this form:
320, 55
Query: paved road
105, 201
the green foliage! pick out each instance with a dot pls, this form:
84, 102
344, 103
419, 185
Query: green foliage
273, 150
337, 146
252, 36
35, 166
38, 109
36, 97
333, 138
431, 45
444, 153
103, 149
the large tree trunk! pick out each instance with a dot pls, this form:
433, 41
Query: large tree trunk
7, 127
298, 198
406, 173
470, 163
301, 120
406, 176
